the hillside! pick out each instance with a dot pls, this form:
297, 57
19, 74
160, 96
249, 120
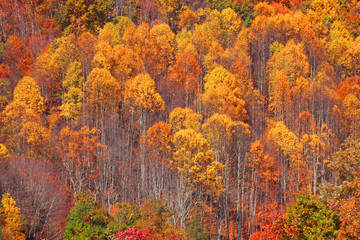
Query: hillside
178, 119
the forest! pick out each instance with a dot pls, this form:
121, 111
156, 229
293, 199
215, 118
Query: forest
179, 119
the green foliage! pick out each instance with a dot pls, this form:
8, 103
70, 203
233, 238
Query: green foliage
86, 219
194, 227
276, 47
117, 27
310, 219
219, 5
123, 216
245, 11
79, 16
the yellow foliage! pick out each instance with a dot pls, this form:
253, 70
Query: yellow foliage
126, 64
184, 118
102, 90
187, 18
263, 8
22, 130
4, 154
194, 159
10, 219
72, 99
284, 139
28, 92
230, 21
141, 93
297, 63
222, 94
325, 12
351, 58
215, 77
103, 56
165, 39
219, 130
106, 34
313, 145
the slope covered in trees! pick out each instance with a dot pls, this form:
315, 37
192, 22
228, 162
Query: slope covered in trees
176, 119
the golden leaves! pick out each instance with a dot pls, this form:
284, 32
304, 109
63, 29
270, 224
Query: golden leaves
4, 154
10, 219
72, 99
184, 118
194, 159
140, 92
22, 130
102, 90
28, 92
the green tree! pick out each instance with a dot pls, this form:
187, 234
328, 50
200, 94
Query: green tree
310, 219
123, 216
195, 227
86, 220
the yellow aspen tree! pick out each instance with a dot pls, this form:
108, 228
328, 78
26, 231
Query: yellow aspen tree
184, 118
143, 42
51, 67
86, 44
287, 148
104, 53
166, 43
351, 59
186, 76
10, 219
220, 131
28, 92
141, 94
4, 155
142, 100
187, 18
73, 97
102, 95
198, 170
157, 146
223, 94
126, 64
22, 131
313, 154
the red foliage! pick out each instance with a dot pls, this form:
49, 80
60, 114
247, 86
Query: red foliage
4, 71
18, 55
269, 219
131, 234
